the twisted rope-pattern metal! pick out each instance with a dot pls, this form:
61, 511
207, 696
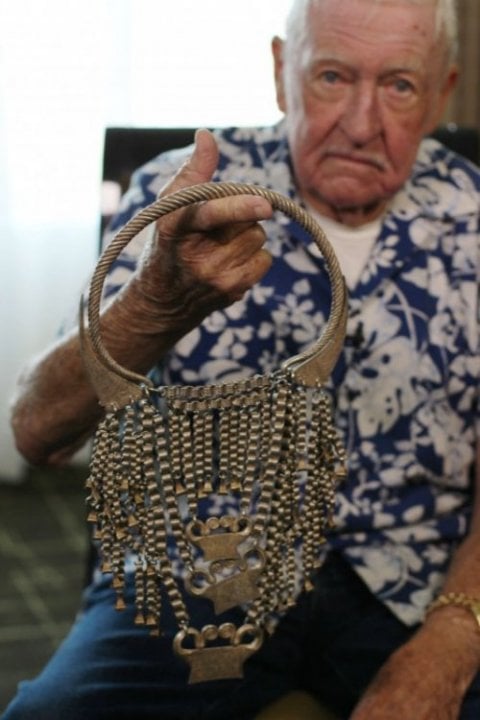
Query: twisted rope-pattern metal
200, 193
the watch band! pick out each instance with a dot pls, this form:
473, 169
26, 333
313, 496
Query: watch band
457, 599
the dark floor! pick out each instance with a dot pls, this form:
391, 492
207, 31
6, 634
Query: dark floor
43, 540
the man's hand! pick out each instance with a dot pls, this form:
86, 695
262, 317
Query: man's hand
202, 257
427, 678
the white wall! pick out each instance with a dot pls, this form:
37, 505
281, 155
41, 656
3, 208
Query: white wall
67, 70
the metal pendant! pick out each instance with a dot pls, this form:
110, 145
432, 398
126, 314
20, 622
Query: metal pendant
230, 575
219, 538
220, 662
237, 587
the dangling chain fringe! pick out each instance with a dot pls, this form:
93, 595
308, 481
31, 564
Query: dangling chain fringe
268, 446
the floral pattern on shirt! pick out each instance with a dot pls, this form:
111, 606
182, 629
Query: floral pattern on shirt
405, 388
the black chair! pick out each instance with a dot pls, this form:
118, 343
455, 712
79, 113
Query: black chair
126, 149
464, 140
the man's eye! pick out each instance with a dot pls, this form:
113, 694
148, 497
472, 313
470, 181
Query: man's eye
403, 86
330, 76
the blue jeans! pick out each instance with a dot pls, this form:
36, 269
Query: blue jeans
331, 644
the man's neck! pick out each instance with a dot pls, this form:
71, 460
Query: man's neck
351, 216
355, 217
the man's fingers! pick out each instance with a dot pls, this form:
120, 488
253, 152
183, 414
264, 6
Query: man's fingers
199, 167
233, 279
235, 284
220, 240
225, 213
215, 255
211, 215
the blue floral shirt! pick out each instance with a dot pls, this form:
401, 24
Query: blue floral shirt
405, 388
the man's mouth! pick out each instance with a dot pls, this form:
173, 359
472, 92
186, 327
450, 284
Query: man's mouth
355, 157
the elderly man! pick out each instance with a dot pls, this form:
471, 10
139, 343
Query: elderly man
214, 295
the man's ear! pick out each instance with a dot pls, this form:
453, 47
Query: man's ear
444, 94
277, 52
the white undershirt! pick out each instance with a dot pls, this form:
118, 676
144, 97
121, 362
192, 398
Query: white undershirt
352, 245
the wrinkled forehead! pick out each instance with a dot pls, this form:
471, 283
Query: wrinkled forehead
307, 13
402, 29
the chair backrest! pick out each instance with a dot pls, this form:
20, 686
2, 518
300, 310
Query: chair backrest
464, 140
126, 149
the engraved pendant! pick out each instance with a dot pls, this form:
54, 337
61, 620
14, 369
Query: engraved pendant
239, 586
218, 662
231, 573
219, 538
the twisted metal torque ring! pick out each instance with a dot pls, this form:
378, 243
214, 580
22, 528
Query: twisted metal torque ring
310, 367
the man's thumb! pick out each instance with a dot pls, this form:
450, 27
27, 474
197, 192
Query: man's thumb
200, 166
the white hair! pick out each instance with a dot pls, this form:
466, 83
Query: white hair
446, 25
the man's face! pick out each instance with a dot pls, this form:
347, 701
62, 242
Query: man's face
369, 82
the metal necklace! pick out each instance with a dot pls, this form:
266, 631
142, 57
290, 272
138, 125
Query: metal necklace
161, 456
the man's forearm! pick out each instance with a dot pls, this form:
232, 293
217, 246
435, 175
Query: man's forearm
55, 408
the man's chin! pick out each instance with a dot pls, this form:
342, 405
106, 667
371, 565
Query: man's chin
346, 209
353, 192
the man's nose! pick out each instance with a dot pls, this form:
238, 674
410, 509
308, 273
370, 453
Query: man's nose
361, 120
